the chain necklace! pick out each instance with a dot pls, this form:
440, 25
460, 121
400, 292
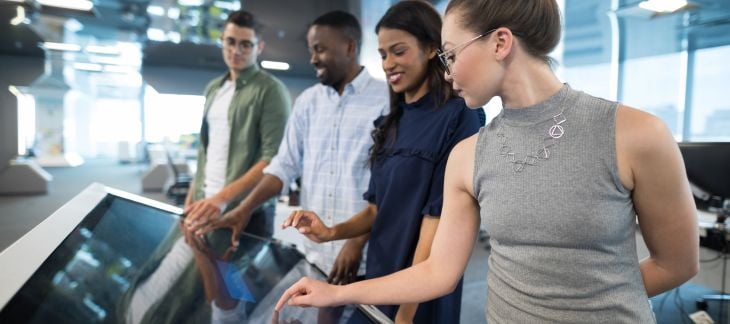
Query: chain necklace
542, 152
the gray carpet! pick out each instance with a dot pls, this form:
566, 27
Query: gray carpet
20, 213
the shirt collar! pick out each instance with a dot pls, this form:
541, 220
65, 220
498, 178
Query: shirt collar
360, 81
243, 77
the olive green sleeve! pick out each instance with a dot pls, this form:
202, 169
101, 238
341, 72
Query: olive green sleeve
276, 109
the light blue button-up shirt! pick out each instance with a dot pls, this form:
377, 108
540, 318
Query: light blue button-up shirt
326, 143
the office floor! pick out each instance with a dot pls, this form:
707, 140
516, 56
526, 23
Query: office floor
18, 214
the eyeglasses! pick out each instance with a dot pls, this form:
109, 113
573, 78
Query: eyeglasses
243, 46
448, 58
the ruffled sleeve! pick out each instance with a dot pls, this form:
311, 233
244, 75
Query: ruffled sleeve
463, 124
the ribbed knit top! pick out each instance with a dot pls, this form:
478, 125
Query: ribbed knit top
562, 229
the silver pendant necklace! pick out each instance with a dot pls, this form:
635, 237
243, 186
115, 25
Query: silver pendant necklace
542, 152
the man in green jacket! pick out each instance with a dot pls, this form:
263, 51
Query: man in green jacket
243, 123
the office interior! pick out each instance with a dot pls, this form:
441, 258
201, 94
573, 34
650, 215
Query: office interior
110, 92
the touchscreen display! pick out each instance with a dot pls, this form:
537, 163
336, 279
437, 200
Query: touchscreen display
127, 262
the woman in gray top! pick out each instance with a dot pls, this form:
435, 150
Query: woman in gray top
559, 177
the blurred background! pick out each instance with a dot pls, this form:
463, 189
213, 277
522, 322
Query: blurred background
90, 79
111, 90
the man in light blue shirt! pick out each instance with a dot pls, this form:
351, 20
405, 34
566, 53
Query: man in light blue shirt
326, 143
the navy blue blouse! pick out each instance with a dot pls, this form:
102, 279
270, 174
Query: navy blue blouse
407, 183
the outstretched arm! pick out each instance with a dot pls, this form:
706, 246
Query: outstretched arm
651, 165
238, 218
205, 211
434, 277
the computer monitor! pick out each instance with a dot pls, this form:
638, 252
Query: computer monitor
708, 169
111, 257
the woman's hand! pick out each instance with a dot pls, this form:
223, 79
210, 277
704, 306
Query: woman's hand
308, 292
309, 224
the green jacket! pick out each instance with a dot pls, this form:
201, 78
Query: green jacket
257, 116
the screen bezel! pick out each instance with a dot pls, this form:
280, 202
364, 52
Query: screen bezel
24, 257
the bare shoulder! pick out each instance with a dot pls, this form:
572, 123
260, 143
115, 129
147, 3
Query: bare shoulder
639, 132
464, 150
460, 167
642, 140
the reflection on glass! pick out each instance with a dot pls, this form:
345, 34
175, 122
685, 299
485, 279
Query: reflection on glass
131, 263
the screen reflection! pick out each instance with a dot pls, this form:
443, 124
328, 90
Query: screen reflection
127, 262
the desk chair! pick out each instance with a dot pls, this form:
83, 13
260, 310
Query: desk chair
178, 183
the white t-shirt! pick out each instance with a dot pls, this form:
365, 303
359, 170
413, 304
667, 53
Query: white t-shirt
219, 133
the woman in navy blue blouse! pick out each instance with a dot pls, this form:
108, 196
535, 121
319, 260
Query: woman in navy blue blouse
411, 146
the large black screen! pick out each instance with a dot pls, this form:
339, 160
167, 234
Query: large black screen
708, 168
128, 262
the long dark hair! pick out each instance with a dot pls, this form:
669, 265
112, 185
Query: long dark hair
422, 21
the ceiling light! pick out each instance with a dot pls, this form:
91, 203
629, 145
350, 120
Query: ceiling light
192, 3
91, 67
20, 17
156, 34
106, 60
83, 5
650, 9
61, 46
232, 6
73, 25
174, 37
173, 13
663, 6
96, 49
273, 65
155, 10
14, 90
119, 69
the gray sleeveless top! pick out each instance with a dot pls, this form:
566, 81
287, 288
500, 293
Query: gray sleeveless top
561, 228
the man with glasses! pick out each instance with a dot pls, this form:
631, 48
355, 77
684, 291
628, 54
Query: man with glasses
245, 114
326, 144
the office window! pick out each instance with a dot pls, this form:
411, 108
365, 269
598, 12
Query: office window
113, 121
673, 66
654, 84
710, 117
586, 58
170, 116
654, 67
594, 79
